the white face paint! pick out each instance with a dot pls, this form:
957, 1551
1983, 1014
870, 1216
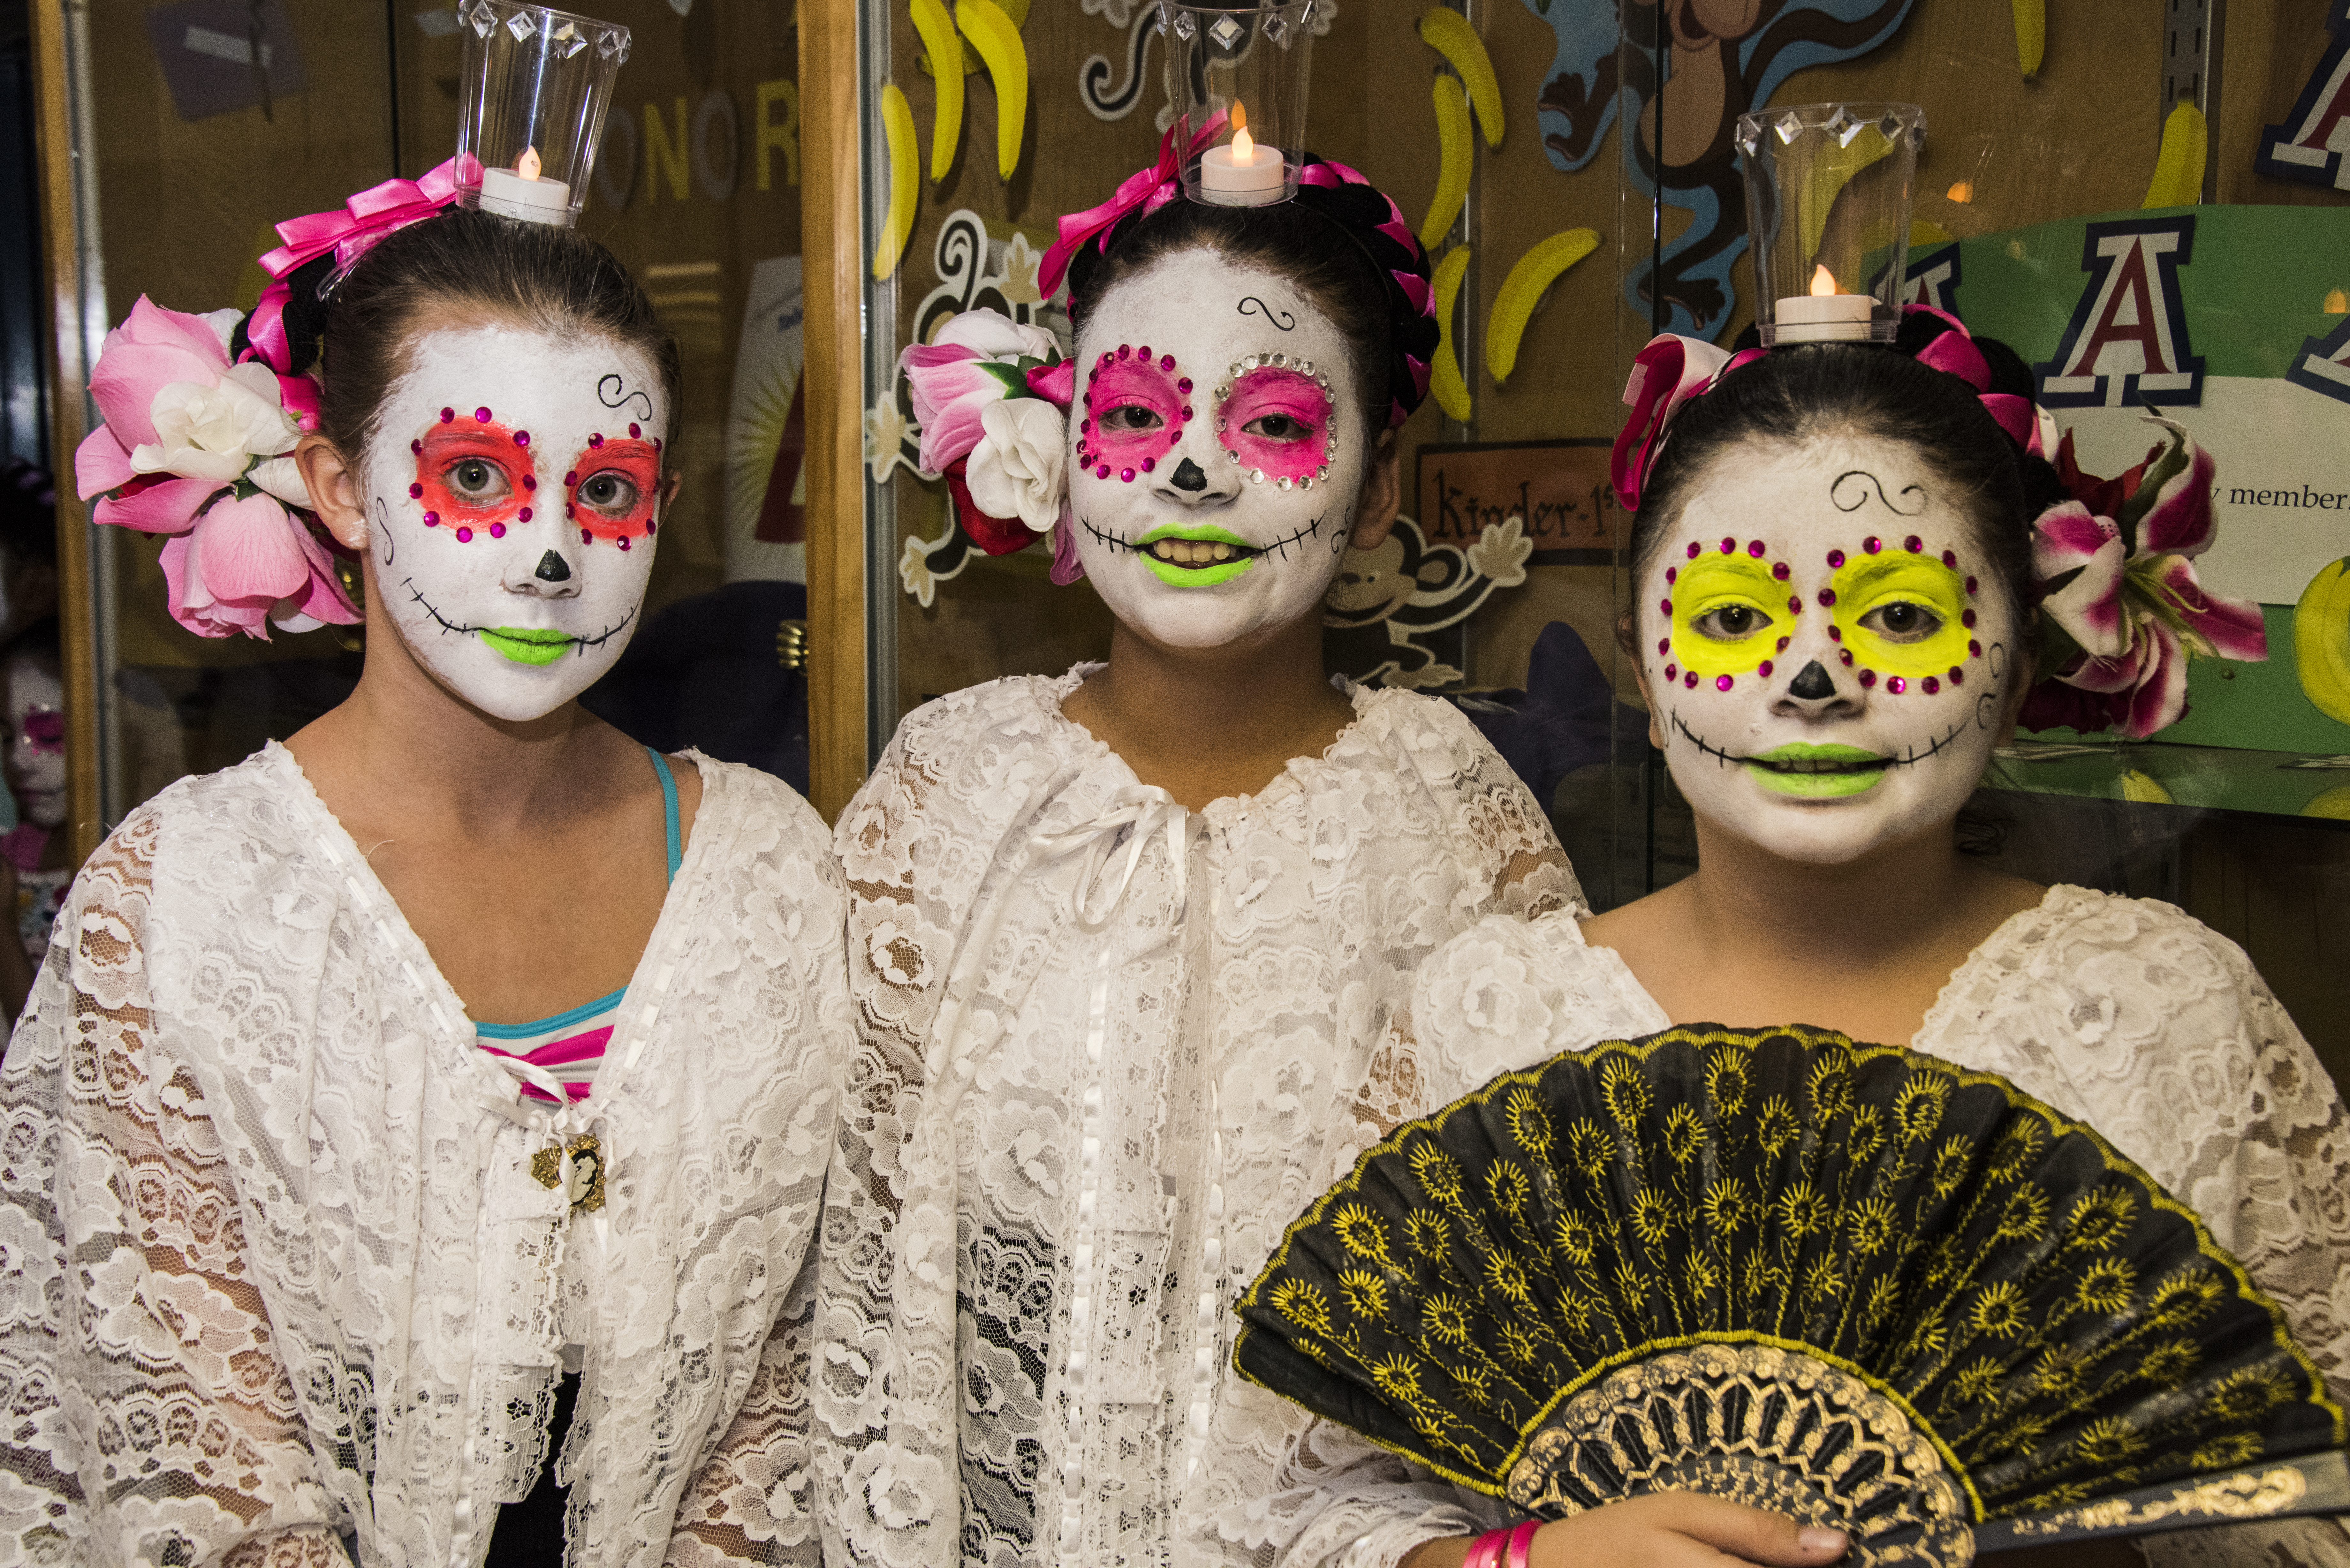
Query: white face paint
1828, 659
513, 494
1218, 451
36, 742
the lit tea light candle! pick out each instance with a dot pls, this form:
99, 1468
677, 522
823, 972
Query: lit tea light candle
519, 193
1239, 173
1823, 315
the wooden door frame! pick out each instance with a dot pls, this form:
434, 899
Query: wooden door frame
61, 226
833, 273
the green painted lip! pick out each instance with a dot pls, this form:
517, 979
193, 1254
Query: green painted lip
1860, 771
1196, 533
1176, 577
528, 644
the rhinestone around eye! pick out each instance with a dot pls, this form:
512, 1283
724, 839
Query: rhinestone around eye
1323, 472
1256, 476
1307, 482
1282, 483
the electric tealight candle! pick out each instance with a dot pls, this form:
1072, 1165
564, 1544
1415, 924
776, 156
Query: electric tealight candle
519, 193
1241, 174
1825, 314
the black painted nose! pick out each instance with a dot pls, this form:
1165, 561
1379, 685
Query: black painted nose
554, 569
1812, 683
1190, 476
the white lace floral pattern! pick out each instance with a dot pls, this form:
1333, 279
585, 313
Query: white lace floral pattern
1108, 1049
278, 1286
2122, 1013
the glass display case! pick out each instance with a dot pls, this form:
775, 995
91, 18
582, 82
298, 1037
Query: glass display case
2145, 202
2149, 202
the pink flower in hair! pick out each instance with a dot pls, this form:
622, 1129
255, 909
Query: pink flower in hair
2118, 588
197, 448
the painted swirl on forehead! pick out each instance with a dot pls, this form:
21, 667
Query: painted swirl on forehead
613, 392
1136, 408
1277, 421
1283, 318
1852, 489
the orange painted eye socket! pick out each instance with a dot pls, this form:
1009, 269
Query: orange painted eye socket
615, 489
473, 475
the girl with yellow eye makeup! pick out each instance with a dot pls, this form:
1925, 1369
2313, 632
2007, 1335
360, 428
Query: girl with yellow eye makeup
1833, 626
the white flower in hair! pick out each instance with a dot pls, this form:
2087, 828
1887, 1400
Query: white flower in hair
216, 432
1016, 468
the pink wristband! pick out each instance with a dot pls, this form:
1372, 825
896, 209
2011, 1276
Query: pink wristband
1522, 1544
1487, 1552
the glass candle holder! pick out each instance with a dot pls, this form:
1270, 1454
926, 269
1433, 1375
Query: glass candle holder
1827, 210
535, 84
1240, 75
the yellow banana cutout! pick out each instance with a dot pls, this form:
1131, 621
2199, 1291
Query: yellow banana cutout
1522, 290
1444, 378
1453, 160
2178, 168
905, 179
2321, 641
936, 29
1448, 32
2031, 34
991, 32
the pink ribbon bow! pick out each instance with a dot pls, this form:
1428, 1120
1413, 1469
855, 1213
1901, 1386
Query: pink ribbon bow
1954, 352
363, 219
1149, 188
1666, 375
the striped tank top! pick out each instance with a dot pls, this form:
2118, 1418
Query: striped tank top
569, 1045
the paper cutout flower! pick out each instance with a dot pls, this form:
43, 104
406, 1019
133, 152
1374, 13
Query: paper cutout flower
194, 447
984, 391
2123, 611
885, 437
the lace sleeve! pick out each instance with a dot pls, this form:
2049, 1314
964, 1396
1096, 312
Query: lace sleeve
1343, 1503
753, 1502
1507, 831
149, 1417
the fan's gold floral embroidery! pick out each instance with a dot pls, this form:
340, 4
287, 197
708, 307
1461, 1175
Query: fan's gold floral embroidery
2026, 1215
1627, 1092
2106, 1286
1870, 1226
1529, 1123
2101, 1217
2012, 1284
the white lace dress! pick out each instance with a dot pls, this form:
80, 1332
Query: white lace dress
1109, 1049
280, 1286
2121, 1013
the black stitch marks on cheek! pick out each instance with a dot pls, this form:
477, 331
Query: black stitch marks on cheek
1870, 482
613, 392
1282, 320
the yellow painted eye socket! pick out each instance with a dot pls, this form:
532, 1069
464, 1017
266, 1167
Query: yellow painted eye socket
1727, 610
1903, 614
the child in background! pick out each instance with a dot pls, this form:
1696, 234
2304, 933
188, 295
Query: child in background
35, 859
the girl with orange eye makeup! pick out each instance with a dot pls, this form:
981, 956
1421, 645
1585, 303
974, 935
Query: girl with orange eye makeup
1838, 553
442, 1185
1124, 938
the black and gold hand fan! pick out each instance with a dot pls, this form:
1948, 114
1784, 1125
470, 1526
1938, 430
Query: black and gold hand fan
1850, 1282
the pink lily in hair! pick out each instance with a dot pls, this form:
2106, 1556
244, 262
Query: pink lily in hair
2117, 583
199, 449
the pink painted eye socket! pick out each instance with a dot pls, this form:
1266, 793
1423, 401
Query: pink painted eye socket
618, 491
1278, 420
1136, 412
471, 474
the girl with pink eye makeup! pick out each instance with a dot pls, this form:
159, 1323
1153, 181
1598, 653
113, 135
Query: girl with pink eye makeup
1123, 940
441, 1185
